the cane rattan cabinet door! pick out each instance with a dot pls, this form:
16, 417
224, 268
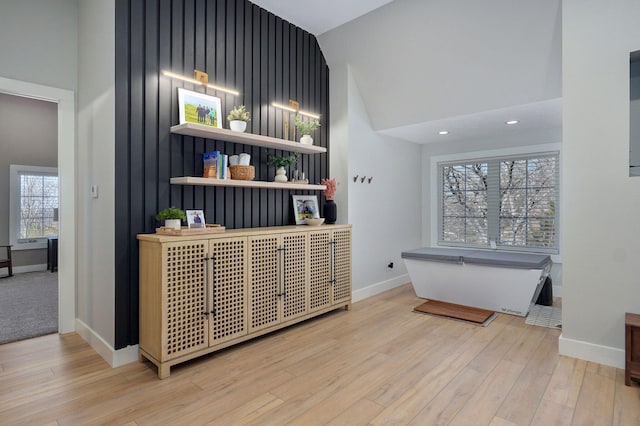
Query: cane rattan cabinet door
341, 265
184, 310
264, 286
228, 289
319, 269
295, 296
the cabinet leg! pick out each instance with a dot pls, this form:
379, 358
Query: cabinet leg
347, 307
163, 371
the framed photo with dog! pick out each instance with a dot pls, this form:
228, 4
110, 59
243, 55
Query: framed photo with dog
304, 207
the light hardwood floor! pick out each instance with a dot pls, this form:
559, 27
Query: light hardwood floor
380, 363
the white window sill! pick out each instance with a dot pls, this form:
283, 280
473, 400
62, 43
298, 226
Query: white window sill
32, 244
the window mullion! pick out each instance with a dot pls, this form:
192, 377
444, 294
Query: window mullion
493, 200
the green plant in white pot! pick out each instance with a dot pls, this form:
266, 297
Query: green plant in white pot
238, 118
305, 128
280, 162
172, 217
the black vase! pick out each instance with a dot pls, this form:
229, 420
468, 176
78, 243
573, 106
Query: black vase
330, 211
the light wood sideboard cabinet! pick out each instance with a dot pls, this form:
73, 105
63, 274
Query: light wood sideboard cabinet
201, 293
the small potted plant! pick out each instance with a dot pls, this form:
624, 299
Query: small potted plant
172, 217
305, 129
238, 118
280, 162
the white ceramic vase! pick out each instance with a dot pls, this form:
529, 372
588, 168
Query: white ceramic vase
306, 140
244, 159
238, 125
172, 223
281, 175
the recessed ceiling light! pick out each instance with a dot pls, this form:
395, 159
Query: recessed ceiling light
511, 122
443, 132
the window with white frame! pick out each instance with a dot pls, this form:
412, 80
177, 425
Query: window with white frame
33, 203
511, 202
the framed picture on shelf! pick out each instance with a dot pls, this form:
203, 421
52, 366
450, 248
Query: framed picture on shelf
195, 218
304, 207
199, 108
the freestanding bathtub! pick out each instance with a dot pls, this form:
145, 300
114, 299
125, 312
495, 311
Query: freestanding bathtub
500, 281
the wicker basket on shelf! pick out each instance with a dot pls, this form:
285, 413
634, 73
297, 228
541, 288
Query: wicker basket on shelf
242, 172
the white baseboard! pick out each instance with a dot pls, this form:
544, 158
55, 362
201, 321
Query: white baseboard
115, 358
606, 355
557, 291
378, 288
29, 268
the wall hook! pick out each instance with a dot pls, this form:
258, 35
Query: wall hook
370, 179
362, 179
355, 178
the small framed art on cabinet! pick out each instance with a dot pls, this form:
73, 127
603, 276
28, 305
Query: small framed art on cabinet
304, 207
195, 219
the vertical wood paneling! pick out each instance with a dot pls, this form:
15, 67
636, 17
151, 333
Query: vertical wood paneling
238, 206
240, 45
125, 330
247, 95
229, 101
165, 101
137, 166
275, 119
177, 145
151, 93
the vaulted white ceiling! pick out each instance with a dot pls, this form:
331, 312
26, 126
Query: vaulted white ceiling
317, 16
423, 66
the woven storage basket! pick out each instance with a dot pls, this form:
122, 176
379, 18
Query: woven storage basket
242, 172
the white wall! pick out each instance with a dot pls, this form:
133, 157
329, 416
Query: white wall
385, 213
602, 230
96, 166
38, 51
38, 41
339, 137
413, 61
417, 60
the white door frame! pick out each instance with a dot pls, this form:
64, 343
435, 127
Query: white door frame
67, 177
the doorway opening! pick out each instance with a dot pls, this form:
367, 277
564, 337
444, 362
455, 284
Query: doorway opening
65, 105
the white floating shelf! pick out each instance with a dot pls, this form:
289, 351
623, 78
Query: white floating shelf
202, 131
201, 181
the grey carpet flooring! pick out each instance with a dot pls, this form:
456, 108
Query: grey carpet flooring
28, 306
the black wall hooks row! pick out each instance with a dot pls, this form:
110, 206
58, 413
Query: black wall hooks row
362, 179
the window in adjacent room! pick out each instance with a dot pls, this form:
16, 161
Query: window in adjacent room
509, 202
33, 200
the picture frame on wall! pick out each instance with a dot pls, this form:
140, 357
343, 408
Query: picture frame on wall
199, 108
304, 207
195, 219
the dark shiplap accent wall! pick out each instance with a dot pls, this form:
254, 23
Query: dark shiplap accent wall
239, 45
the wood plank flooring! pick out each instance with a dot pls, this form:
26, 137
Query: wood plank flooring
378, 364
